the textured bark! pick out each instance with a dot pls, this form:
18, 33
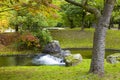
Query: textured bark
97, 64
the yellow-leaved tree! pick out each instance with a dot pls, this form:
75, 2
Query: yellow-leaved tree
34, 7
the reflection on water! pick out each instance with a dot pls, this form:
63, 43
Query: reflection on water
27, 60
15, 61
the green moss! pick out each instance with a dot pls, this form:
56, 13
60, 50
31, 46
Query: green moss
70, 60
79, 72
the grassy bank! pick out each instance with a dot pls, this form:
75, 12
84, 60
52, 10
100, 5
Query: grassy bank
8, 50
72, 38
78, 72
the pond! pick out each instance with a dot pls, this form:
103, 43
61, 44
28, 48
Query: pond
27, 60
16, 61
87, 52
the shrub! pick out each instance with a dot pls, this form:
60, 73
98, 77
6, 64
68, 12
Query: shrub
44, 37
28, 41
8, 38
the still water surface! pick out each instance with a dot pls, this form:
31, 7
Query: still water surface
16, 61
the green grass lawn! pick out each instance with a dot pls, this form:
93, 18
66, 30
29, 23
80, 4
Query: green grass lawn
79, 72
74, 38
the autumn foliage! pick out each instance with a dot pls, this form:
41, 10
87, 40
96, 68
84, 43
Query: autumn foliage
7, 39
28, 41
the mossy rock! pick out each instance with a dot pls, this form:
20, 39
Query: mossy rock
114, 58
73, 59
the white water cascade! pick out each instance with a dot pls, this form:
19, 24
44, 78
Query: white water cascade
48, 60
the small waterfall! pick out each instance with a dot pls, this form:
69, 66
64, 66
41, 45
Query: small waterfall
48, 60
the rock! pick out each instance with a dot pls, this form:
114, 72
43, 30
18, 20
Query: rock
62, 54
52, 47
54, 55
114, 58
65, 53
46, 59
73, 59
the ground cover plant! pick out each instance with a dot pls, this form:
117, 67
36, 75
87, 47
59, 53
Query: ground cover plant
79, 72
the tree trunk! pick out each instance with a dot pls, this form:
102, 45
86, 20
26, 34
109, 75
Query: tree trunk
119, 26
71, 22
111, 23
83, 20
97, 63
16, 28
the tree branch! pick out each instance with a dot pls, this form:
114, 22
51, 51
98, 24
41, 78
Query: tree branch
87, 7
